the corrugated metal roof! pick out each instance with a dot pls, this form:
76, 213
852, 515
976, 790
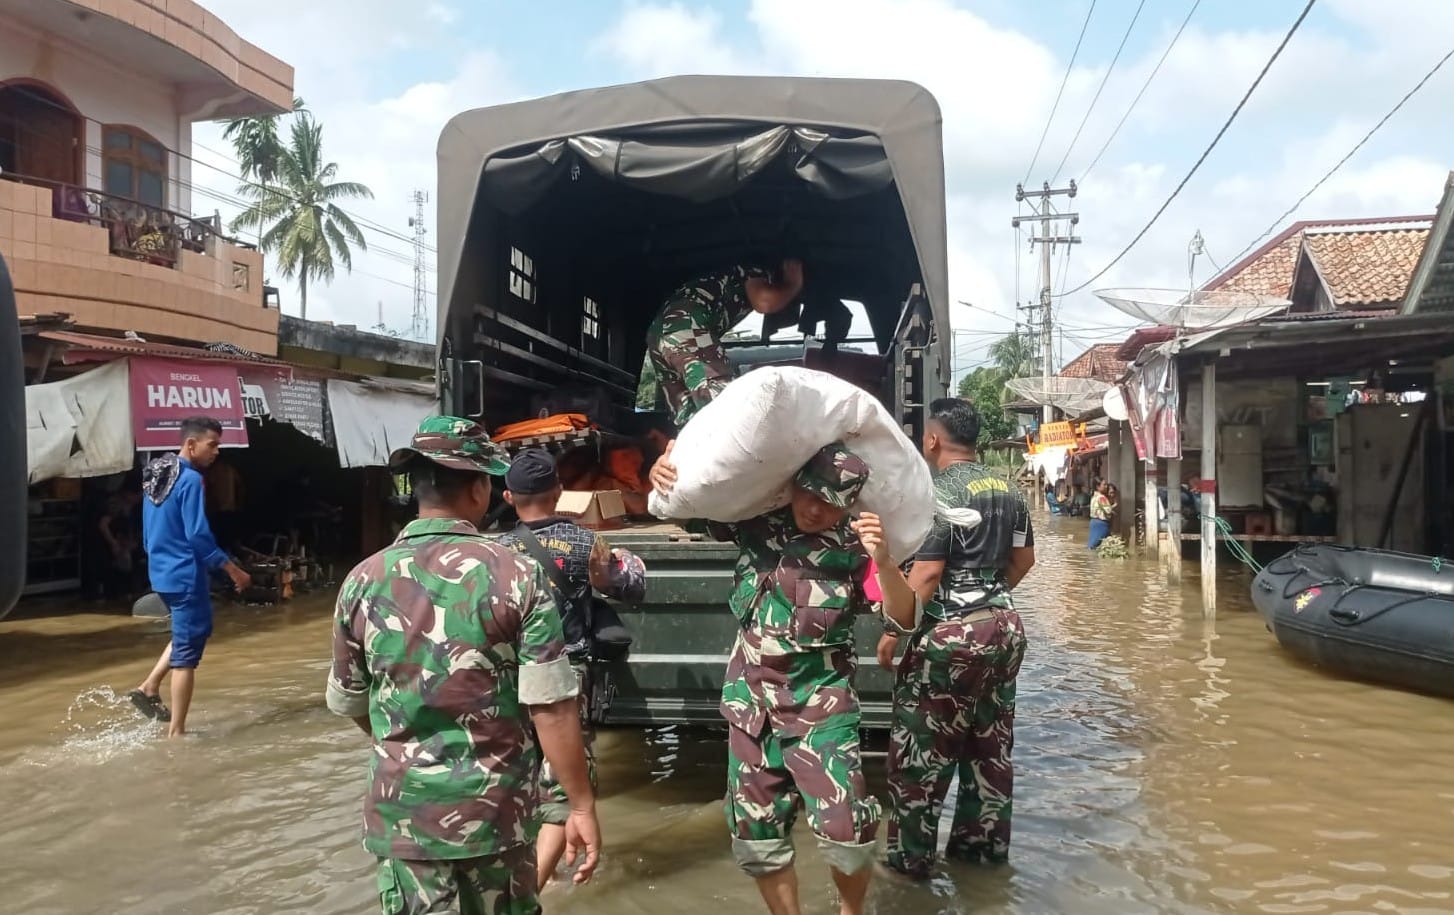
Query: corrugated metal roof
92, 348
1141, 338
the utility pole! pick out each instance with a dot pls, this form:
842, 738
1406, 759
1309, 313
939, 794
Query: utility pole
419, 328
1044, 213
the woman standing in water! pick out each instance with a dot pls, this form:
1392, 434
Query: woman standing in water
1101, 509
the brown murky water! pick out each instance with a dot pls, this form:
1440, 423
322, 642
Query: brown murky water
1166, 764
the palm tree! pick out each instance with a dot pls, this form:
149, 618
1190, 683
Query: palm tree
255, 141
298, 215
1015, 353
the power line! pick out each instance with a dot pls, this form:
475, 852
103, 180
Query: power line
1099, 89
1066, 79
1205, 153
1357, 146
1144, 86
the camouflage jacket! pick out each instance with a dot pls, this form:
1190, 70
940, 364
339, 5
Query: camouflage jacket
712, 304
443, 639
796, 597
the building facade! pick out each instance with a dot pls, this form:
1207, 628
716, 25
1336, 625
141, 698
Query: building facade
97, 214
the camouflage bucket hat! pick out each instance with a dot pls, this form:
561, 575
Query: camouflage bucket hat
449, 441
835, 475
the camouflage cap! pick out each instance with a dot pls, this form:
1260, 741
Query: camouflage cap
460, 444
835, 475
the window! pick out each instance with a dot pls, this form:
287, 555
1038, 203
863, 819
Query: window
591, 319
522, 276
135, 166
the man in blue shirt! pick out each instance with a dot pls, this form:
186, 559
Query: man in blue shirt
181, 554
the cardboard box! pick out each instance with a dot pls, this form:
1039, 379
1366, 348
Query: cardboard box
599, 510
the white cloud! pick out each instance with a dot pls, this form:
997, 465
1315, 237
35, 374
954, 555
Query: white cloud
996, 86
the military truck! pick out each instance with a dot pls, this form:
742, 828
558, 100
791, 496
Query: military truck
565, 221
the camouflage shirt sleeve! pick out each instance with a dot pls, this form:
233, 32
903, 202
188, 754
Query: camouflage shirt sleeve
546, 676
347, 692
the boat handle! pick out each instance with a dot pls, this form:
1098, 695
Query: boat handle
1345, 616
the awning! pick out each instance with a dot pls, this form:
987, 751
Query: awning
79, 427
373, 417
164, 392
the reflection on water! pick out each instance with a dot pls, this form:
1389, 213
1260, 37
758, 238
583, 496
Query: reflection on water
1166, 764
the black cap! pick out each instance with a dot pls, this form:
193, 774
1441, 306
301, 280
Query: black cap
532, 473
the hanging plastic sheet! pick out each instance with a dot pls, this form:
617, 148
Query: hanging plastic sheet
1153, 398
372, 418
80, 427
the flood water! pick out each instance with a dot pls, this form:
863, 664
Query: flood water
1165, 764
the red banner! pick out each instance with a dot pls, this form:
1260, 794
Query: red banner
164, 392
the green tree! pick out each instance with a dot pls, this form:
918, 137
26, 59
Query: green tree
298, 215
257, 147
985, 388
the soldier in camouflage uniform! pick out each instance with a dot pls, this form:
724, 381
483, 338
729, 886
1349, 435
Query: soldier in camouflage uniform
954, 697
788, 698
587, 564
684, 343
446, 650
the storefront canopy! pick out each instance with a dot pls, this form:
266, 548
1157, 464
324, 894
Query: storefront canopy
79, 427
373, 417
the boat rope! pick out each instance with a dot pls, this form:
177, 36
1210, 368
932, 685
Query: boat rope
1234, 546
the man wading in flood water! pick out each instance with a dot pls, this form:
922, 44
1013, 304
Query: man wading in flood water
447, 648
954, 699
180, 555
584, 564
788, 698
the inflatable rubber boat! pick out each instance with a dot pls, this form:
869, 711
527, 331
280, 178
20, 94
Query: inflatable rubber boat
1371, 614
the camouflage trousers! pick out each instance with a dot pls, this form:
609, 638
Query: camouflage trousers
554, 807
954, 714
502, 884
770, 776
691, 369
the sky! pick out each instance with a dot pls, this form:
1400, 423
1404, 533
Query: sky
383, 85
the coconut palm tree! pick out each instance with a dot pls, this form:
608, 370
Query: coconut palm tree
1016, 354
256, 144
298, 215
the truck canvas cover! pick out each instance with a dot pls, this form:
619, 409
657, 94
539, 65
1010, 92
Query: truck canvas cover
699, 138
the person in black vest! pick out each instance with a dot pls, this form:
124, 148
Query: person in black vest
583, 563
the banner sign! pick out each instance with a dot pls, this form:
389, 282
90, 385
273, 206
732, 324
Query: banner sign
166, 391
289, 397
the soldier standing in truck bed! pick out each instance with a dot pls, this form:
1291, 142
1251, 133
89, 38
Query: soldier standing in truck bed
684, 343
789, 699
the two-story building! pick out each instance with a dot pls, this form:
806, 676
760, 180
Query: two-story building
97, 212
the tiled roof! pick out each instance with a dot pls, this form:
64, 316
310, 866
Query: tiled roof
1143, 337
1269, 269
1099, 362
1366, 268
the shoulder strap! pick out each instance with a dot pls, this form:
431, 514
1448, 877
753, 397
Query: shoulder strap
540, 554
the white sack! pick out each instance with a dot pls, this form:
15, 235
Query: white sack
80, 427
371, 420
736, 459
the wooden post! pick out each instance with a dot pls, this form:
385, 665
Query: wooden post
1153, 521
1209, 489
1171, 551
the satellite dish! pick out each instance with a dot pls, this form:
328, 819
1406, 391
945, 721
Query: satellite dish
1115, 405
1208, 309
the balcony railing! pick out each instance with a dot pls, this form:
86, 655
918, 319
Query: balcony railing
136, 230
